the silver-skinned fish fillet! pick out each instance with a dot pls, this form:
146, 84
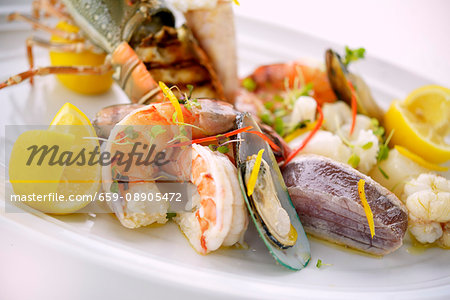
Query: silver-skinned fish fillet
325, 195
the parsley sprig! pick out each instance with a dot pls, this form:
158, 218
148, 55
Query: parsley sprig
320, 264
352, 55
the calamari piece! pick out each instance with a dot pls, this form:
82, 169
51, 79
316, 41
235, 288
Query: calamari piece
325, 194
212, 23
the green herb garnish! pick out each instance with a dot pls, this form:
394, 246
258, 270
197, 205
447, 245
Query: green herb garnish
354, 160
114, 187
383, 152
223, 149
170, 215
267, 118
367, 146
278, 98
131, 133
352, 55
319, 264
301, 124
269, 105
249, 84
156, 130
174, 117
279, 126
190, 88
385, 175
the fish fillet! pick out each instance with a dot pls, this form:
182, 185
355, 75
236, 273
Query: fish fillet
215, 32
325, 195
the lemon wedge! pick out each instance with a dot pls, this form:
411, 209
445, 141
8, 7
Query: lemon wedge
421, 123
25, 174
54, 177
83, 84
419, 160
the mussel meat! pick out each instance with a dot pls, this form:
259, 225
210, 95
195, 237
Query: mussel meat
272, 216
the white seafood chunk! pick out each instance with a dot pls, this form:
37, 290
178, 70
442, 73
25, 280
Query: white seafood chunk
427, 199
335, 115
366, 147
398, 169
304, 109
324, 143
362, 123
444, 241
425, 232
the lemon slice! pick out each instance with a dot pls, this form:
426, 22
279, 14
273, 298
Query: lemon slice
63, 187
421, 123
83, 84
431, 105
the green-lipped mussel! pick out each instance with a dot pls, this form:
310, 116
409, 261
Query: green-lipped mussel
269, 205
339, 78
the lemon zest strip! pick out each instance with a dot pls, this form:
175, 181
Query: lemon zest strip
170, 95
419, 160
236, 2
367, 210
254, 175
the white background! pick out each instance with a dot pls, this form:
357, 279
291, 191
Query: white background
413, 34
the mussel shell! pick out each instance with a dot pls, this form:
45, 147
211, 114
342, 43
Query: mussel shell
297, 256
338, 76
265, 179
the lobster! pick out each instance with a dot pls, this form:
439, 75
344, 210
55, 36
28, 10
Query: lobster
142, 44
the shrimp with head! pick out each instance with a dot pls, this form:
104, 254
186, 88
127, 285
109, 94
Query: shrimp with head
218, 215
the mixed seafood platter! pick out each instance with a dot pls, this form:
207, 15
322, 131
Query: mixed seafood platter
293, 165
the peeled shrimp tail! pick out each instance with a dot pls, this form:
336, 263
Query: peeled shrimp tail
214, 30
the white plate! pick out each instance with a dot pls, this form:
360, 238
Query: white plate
93, 256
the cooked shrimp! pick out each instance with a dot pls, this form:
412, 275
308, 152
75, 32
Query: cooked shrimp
276, 94
271, 80
239, 222
219, 216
